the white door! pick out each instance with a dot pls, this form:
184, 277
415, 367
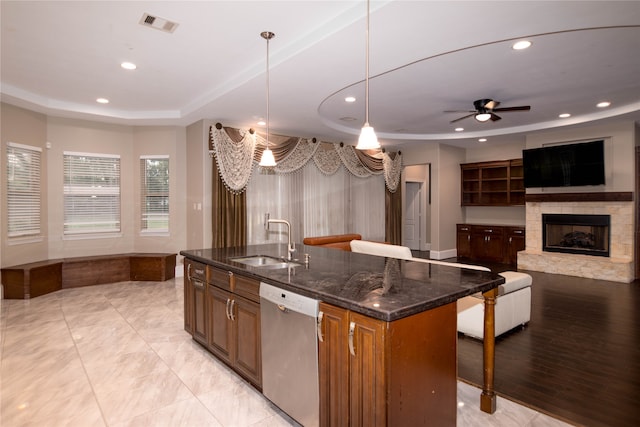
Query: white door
411, 235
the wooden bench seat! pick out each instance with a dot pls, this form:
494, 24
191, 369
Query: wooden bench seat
39, 278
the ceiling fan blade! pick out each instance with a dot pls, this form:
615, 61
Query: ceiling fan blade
521, 108
495, 117
463, 117
459, 111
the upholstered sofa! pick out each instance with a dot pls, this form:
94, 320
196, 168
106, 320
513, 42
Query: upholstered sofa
513, 305
337, 241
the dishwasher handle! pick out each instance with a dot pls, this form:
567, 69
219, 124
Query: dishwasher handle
319, 324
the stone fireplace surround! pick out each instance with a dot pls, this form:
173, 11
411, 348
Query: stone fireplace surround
618, 267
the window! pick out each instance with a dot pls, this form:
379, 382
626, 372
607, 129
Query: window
23, 190
154, 191
91, 193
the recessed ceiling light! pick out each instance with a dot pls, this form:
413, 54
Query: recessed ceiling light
102, 101
603, 104
522, 44
482, 140
459, 129
564, 115
350, 99
128, 65
261, 123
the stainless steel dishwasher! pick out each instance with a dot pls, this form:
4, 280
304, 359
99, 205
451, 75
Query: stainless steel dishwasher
290, 353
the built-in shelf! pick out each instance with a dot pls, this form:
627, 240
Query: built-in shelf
496, 183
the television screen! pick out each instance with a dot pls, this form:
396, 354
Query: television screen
564, 165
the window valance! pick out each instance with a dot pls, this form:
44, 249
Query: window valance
237, 152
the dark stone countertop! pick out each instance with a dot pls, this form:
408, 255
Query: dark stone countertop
383, 288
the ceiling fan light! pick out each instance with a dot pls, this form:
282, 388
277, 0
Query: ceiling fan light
267, 159
368, 139
482, 117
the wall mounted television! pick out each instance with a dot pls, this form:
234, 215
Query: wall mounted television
568, 165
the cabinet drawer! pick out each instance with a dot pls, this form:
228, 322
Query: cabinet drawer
220, 278
196, 270
248, 288
488, 230
463, 228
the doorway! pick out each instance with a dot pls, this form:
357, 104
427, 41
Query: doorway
416, 217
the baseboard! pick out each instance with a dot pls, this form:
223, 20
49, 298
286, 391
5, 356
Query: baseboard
449, 253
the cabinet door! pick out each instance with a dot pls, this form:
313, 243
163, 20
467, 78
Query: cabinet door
188, 301
463, 241
487, 243
199, 311
333, 358
219, 339
515, 243
368, 400
245, 316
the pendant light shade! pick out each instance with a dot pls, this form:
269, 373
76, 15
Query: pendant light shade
267, 159
368, 139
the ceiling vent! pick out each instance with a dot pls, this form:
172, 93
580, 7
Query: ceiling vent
158, 23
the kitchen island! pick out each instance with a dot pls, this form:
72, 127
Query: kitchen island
387, 335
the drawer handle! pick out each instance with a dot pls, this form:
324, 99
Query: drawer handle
197, 284
199, 271
518, 232
319, 324
189, 270
352, 329
488, 231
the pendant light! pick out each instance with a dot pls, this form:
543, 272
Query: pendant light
267, 159
368, 139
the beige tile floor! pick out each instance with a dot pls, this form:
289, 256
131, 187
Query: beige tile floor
117, 355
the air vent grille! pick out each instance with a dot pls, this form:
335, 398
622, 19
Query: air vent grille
158, 23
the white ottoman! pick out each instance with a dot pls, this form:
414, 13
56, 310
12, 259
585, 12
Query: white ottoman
513, 307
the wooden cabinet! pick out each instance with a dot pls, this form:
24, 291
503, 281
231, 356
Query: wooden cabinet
194, 300
498, 183
515, 242
364, 380
233, 322
487, 243
463, 240
492, 243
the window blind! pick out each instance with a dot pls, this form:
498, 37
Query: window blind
154, 191
91, 193
23, 190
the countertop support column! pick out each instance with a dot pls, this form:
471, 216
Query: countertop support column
488, 396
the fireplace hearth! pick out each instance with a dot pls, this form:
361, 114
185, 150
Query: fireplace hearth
576, 234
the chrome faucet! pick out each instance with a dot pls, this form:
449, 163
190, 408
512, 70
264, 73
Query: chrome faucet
291, 248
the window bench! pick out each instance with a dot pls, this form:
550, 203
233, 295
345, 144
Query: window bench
39, 278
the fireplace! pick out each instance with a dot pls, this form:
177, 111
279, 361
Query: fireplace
576, 234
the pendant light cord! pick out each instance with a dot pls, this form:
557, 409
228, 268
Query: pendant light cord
366, 80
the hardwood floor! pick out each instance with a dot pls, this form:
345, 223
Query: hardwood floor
577, 360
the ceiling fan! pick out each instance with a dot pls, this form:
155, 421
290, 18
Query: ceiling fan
485, 110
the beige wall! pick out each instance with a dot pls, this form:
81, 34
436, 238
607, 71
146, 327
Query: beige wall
22, 127
129, 143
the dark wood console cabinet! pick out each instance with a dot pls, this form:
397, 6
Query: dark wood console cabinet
492, 243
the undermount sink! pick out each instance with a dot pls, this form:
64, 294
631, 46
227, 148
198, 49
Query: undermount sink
265, 261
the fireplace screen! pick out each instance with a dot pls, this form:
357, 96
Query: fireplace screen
576, 234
